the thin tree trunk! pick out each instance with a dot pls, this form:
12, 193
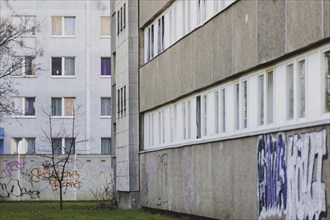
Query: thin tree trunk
61, 199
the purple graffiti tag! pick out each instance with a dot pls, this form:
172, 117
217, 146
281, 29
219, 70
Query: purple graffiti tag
14, 166
272, 189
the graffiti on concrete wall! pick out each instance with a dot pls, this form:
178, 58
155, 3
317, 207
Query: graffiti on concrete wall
272, 187
31, 180
296, 188
306, 197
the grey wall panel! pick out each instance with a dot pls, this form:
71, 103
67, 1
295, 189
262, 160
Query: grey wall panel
303, 23
271, 30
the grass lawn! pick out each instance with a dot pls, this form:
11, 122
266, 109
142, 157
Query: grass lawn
72, 210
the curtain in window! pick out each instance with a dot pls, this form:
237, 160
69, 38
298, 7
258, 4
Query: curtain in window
69, 66
69, 106
56, 25
69, 26
106, 106
56, 66
29, 106
105, 26
198, 117
56, 106
105, 66
106, 146
70, 143
31, 145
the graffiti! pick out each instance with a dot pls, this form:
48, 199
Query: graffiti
306, 194
13, 188
272, 186
11, 167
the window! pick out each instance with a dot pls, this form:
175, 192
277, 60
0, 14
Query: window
63, 26
23, 145
223, 110
150, 49
63, 106
205, 115
118, 21
70, 147
124, 16
217, 112
198, 117
270, 97
63, 145
290, 92
27, 65
121, 18
106, 146
301, 89
201, 13
29, 23
245, 104
161, 27
236, 106
24, 106
261, 98
63, 66
327, 81
121, 101
105, 66
106, 109
105, 26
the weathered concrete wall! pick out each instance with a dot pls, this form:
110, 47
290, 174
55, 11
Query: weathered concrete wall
246, 34
148, 9
24, 177
248, 178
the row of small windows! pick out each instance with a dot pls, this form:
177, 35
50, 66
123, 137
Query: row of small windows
276, 97
61, 25
27, 145
121, 18
61, 66
177, 21
60, 106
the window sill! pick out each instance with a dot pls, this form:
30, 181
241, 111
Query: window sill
106, 37
63, 36
62, 77
24, 76
29, 36
62, 117
105, 117
24, 117
105, 76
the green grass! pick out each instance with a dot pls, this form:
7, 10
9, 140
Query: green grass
72, 210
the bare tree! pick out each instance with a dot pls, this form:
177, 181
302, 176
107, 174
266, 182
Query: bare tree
11, 45
59, 155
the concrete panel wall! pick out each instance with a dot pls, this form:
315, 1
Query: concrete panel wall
149, 8
23, 178
226, 179
246, 34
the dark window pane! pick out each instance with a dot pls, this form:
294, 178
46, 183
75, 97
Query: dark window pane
56, 66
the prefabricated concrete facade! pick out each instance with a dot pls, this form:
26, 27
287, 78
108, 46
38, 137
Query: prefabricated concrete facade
25, 178
87, 46
278, 170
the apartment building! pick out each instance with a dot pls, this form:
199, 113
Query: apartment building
72, 79
233, 106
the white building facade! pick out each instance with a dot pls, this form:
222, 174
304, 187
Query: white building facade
72, 78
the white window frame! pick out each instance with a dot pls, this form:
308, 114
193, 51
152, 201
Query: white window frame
105, 116
25, 145
63, 26
298, 89
63, 60
63, 107
22, 113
